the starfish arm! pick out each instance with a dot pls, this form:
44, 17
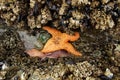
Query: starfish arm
50, 46
68, 47
73, 37
52, 31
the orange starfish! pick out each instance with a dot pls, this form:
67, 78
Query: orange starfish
59, 41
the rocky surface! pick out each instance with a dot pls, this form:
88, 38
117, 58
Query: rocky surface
97, 21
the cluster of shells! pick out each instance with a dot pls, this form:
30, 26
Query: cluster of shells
73, 14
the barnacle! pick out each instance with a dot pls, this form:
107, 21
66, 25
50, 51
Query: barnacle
105, 1
31, 21
21, 24
32, 3
77, 15
46, 16
16, 9
94, 3
74, 21
79, 2
38, 21
101, 20
41, 19
2, 6
10, 17
63, 8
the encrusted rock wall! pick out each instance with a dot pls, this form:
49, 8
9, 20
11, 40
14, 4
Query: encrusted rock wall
73, 14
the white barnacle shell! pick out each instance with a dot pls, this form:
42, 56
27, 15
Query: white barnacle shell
108, 73
63, 8
102, 20
32, 3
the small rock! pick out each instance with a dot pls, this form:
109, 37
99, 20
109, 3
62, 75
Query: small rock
108, 73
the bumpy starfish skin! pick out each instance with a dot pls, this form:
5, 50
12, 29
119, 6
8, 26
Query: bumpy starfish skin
59, 41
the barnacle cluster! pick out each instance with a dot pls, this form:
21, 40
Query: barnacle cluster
61, 71
101, 20
63, 8
38, 15
79, 2
83, 69
73, 14
13, 12
74, 21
